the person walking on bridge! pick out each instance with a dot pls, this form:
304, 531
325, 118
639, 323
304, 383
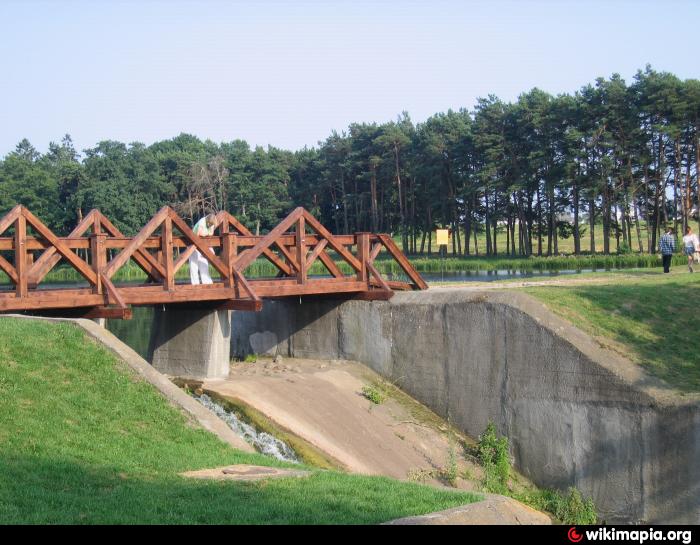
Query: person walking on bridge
667, 246
199, 266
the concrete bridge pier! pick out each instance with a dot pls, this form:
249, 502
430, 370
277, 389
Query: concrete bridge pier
191, 342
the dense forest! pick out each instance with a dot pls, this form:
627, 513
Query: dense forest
612, 156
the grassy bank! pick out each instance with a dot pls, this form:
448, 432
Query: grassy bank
82, 440
650, 318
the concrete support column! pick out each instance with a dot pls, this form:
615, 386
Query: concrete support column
194, 343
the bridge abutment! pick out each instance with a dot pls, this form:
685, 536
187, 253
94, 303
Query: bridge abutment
193, 343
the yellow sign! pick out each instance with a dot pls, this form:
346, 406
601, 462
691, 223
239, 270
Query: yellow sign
443, 237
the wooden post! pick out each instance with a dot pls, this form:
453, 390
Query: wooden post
228, 254
99, 257
21, 255
362, 255
301, 250
167, 249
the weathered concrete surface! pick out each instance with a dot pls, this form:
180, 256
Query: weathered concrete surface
494, 509
142, 368
576, 414
192, 343
244, 472
321, 402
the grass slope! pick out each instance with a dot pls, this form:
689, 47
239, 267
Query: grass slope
82, 440
651, 318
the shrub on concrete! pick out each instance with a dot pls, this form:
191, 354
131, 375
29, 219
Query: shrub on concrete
374, 394
492, 452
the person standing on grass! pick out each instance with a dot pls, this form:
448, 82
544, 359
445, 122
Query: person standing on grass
199, 266
691, 244
667, 245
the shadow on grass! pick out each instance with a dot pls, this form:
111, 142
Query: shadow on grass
40, 490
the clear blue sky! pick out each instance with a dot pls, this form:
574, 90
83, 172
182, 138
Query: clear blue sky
288, 73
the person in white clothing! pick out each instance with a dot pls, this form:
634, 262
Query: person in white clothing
691, 244
199, 266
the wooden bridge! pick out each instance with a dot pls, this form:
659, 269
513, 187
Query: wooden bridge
97, 250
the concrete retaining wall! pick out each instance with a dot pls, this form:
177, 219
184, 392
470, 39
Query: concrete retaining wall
575, 414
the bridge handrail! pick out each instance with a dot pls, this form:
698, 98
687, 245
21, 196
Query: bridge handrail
293, 247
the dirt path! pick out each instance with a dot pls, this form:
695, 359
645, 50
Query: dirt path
602, 278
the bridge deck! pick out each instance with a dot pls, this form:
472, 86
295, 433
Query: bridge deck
97, 250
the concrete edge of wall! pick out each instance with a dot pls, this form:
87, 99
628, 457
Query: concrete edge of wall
493, 509
208, 420
631, 373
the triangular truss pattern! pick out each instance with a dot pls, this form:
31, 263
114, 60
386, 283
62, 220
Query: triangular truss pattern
97, 251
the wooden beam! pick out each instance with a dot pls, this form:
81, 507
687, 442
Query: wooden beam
252, 254
167, 245
99, 258
108, 312
378, 277
315, 253
68, 254
50, 258
321, 230
252, 305
21, 255
404, 263
137, 296
374, 295
375, 252
9, 270
394, 285
225, 217
141, 256
184, 256
300, 248
112, 294
362, 254
120, 259
242, 280
330, 264
312, 287
288, 256
229, 251
8, 219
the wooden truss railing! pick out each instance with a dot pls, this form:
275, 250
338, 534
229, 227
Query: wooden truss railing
97, 250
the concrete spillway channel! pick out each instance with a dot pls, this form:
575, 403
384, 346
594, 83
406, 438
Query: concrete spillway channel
321, 409
575, 413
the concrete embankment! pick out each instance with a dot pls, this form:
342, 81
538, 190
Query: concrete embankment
575, 413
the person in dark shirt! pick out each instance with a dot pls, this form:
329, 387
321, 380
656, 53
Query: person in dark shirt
667, 246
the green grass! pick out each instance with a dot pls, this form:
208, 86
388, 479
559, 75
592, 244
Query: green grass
650, 318
83, 440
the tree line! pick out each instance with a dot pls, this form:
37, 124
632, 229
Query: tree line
617, 157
